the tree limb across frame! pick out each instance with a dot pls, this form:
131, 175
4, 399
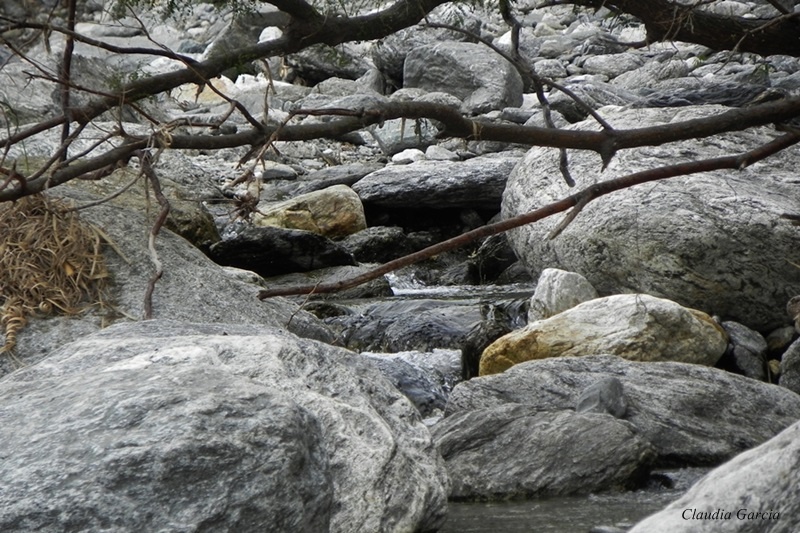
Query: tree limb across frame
577, 201
605, 142
668, 20
307, 27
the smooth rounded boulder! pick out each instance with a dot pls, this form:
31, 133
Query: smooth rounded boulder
517, 451
333, 212
713, 241
637, 327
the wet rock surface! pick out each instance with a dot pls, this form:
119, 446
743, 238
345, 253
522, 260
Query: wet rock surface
518, 451
270, 251
691, 414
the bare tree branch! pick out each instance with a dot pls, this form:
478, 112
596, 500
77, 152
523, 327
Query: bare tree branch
578, 200
668, 20
145, 160
66, 74
606, 142
78, 37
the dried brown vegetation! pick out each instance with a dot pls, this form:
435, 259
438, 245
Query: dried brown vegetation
50, 262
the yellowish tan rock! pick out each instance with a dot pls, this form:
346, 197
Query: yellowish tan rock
637, 327
333, 212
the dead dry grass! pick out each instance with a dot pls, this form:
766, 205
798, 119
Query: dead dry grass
50, 263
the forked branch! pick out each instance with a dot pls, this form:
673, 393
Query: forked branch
578, 201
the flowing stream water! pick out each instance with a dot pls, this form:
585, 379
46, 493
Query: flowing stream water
573, 514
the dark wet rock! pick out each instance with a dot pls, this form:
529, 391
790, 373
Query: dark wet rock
693, 415
515, 273
728, 94
406, 325
790, 368
493, 257
463, 273
517, 451
272, 251
416, 384
378, 244
477, 183
441, 365
327, 309
603, 396
746, 353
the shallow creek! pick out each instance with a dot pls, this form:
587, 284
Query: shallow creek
574, 514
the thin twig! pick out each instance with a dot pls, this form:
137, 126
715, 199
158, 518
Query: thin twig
145, 161
65, 75
579, 199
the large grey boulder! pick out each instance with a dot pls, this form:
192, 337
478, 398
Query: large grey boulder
397, 326
713, 241
389, 54
161, 424
692, 414
516, 451
480, 77
476, 183
753, 492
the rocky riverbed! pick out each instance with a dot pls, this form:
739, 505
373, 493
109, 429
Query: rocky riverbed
653, 333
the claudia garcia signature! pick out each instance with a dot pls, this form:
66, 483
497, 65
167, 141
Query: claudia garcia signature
722, 514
